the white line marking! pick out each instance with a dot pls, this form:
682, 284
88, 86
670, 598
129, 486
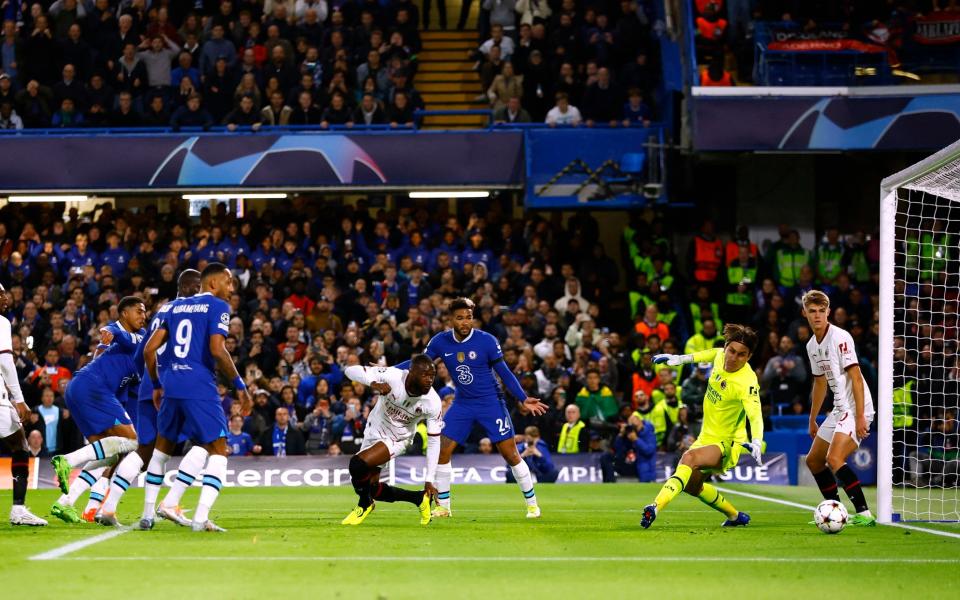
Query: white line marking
685, 559
806, 507
78, 545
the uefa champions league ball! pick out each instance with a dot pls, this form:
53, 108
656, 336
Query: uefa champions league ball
830, 516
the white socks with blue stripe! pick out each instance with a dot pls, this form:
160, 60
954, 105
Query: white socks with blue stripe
153, 482
521, 472
444, 473
213, 477
125, 476
83, 482
101, 450
190, 468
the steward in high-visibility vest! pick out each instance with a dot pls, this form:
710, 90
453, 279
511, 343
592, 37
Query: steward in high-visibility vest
706, 255
741, 241
789, 260
741, 283
830, 258
903, 406
706, 339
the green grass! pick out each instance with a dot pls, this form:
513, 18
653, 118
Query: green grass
288, 542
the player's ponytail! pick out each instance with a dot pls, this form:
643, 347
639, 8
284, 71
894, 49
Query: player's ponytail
742, 334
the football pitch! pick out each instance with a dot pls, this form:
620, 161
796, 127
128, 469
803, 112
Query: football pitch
288, 542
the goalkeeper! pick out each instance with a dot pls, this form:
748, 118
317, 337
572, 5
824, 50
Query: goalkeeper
731, 399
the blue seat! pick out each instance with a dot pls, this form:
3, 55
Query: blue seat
633, 163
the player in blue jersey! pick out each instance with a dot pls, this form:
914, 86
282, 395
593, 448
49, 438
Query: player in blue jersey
196, 328
95, 398
188, 284
472, 357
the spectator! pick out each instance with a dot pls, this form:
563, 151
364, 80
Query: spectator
35, 105
785, 375
239, 442
369, 112
50, 373
504, 86
338, 113
276, 113
157, 54
156, 114
694, 388
665, 413
214, 48
602, 101
243, 116
503, 13
400, 113
35, 444
634, 452
9, 119
497, 40
282, 439
511, 112
130, 73
185, 68
52, 416
535, 452
635, 112
67, 116
563, 113
596, 401
191, 115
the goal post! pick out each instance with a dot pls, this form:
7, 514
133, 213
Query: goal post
917, 462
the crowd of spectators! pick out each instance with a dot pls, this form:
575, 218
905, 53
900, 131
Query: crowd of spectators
724, 31
569, 63
240, 63
341, 285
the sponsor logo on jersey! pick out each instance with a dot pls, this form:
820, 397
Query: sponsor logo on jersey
459, 356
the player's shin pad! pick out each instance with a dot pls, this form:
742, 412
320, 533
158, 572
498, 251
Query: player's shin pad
712, 497
360, 473
673, 486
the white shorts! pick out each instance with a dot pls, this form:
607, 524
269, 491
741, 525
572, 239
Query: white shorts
395, 447
9, 419
845, 423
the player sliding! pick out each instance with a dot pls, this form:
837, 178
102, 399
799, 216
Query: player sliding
833, 362
732, 394
472, 356
188, 284
406, 398
94, 399
11, 417
197, 329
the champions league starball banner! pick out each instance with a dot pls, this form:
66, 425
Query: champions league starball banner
324, 471
302, 160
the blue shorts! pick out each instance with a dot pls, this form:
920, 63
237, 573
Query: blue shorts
493, 416
132, 408
201, 421
93, 408
146, 422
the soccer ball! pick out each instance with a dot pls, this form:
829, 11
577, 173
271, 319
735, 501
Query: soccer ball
830, 516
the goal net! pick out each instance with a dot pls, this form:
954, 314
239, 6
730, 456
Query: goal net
918, 462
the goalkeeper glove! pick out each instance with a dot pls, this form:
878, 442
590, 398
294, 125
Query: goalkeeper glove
672, 360
755, 448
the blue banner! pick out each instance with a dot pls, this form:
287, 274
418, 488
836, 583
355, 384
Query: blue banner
307, 160
797, 123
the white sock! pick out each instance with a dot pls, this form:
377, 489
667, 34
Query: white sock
213, 477
106, 462
100, 450
444, 473
81, 484
97, 494
190, 468
521, 472
123, 478
153, 482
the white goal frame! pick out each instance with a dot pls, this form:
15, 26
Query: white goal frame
888, 215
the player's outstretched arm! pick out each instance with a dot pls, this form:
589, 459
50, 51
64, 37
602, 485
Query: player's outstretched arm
676, 360
369, 376
534, 405
218, 349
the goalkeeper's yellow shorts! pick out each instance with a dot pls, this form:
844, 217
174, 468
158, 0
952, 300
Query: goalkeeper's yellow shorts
730, 449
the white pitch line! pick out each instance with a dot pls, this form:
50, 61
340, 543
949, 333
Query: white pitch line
645, 559
78, 545
948, 534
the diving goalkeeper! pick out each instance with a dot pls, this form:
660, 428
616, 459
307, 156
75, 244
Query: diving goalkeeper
731, 399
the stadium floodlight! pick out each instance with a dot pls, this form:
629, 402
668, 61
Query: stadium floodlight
451, 194
52, 198
917, 465
237, 195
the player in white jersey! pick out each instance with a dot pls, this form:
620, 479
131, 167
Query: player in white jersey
406, 399
13, 410
833, 361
